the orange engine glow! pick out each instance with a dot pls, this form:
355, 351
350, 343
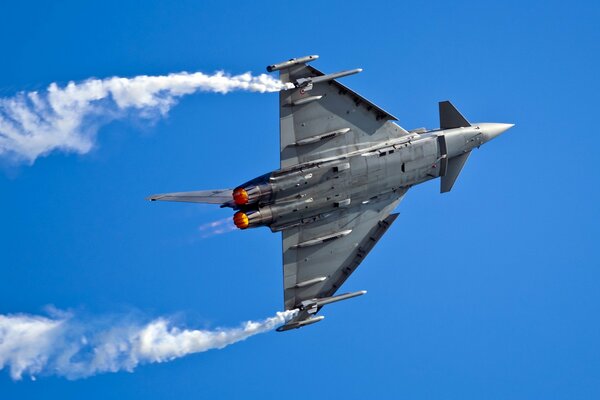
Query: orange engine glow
240, 196
240, 219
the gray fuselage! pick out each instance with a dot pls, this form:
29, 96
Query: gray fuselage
312, 191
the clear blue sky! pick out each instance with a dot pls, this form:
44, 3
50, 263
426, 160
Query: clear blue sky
490, 291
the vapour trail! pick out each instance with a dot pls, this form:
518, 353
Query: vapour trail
33, 124
217, 227
64, 345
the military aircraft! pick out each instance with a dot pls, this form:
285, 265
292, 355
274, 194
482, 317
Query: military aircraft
345, 166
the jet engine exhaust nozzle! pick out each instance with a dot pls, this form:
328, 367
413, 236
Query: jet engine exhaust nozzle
240, 219
251, 219
252, 194
240, 196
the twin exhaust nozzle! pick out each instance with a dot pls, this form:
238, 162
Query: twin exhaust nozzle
246, 197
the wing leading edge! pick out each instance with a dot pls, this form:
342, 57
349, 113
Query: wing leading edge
320, 117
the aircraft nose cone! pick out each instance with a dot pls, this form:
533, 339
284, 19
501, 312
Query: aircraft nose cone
492, 130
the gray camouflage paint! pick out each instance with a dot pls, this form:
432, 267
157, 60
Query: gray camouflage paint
345, 166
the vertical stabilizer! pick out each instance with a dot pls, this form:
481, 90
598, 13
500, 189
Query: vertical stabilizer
450, 117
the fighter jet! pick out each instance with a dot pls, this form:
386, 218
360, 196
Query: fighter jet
345, 166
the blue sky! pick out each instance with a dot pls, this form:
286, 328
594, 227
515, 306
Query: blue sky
490, 291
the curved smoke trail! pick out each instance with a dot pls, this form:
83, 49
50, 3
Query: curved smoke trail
65, 346
33, 124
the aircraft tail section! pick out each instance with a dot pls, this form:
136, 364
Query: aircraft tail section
219, 196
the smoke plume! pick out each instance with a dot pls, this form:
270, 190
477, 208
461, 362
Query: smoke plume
217, 227
64, 345
33, 124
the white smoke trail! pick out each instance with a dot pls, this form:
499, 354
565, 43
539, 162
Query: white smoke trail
216, 227
62, 345
33, 124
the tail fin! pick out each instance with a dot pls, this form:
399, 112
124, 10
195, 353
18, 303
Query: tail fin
222, 196
450, 117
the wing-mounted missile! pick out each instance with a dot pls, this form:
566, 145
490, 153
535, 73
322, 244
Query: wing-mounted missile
291, 63
312, 306
299, 324
308, 308
307, 83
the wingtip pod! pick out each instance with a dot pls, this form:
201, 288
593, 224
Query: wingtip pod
290, 63
300, 324
310, 307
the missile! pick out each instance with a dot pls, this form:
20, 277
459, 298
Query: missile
302, 82
311, 306
300, 324
333, 299
291, 63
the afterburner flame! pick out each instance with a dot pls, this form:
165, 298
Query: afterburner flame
240, 196
240, 219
